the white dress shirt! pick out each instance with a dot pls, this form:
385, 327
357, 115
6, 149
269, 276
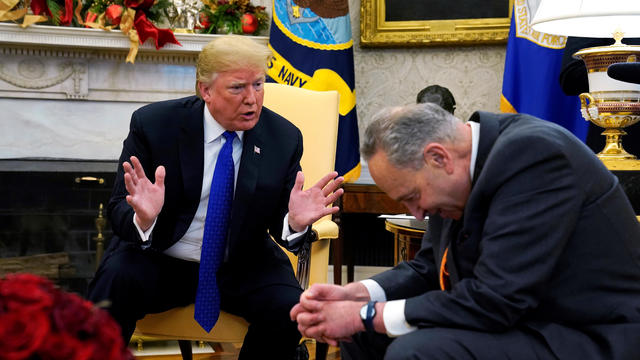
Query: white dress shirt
190, 245
393, 314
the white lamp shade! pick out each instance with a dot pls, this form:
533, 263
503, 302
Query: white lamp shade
588, 18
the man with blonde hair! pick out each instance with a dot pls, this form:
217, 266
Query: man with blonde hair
227, 178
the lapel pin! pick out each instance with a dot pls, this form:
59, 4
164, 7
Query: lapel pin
256, 149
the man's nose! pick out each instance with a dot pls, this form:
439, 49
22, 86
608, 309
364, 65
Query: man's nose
415, 211
250, 95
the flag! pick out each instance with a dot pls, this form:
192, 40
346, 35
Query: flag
313, 49
531, 74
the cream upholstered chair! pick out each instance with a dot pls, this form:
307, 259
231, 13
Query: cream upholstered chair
316, 115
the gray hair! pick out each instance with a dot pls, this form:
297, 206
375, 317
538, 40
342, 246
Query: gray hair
403, 131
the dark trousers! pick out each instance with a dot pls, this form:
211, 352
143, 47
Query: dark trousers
136, 282
452, 344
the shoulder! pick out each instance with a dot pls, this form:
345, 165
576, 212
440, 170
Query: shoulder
525, 143
168, 109
526, 132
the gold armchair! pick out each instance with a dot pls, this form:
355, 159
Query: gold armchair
316, 115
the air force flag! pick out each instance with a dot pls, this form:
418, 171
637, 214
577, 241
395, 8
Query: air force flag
531, 70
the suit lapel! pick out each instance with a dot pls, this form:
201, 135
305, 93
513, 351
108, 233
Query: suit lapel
489, 131
191, 149
252, 145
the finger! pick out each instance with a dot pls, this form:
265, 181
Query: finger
129, 184
321, 291
137, 167
299, 182
302, 330
295, 310
308, 319
160, 174
328, 211
325, 180
332, 186
128, 169
333, 197
317, 332
129, 200
330, 341
310, 304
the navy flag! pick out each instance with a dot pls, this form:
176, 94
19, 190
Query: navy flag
312, 48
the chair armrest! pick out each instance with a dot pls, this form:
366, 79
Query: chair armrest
325, 229
321, 232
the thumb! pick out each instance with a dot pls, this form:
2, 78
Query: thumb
160, 174
299, 181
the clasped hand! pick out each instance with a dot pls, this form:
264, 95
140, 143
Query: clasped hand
329, 313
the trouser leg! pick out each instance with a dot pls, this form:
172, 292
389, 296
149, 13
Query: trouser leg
271, 333
460, 344
135, 283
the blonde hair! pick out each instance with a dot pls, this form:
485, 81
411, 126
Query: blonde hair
230, 52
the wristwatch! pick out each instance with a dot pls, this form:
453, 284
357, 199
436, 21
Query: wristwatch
367, 313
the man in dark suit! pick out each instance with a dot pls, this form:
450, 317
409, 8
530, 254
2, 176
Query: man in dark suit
532, 249
153, 260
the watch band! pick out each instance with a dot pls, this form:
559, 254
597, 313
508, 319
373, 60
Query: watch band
371, 313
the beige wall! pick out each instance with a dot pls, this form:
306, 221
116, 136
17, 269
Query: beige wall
387, 76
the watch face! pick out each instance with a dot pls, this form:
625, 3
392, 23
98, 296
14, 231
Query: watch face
363, 312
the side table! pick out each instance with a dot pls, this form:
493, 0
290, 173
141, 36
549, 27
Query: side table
407, 237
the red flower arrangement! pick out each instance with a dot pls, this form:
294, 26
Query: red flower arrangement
40, 321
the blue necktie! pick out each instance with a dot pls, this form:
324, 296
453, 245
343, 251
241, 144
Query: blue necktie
216, 226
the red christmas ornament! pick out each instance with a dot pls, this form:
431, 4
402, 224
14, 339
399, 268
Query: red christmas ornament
204, 21
114, 13
249, 23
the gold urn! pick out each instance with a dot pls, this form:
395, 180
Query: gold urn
611, 104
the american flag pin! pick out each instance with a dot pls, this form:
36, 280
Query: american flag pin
256, 149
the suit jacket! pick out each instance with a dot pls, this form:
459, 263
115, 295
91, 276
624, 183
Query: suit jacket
548, 242
171, 133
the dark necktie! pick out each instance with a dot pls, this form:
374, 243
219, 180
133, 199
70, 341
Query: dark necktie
216, 226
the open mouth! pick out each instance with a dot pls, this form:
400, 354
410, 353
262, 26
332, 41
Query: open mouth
249, 115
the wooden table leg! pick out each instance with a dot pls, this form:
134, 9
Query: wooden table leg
338, 247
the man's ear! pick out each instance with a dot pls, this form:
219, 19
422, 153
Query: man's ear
204, 90
436, 155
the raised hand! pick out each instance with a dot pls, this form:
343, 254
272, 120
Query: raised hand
145, 197
307, 206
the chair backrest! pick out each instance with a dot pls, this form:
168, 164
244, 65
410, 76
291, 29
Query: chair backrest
315, 113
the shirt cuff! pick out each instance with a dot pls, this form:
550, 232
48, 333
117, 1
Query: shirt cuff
376, 292
394, 320
292, 239
144, 235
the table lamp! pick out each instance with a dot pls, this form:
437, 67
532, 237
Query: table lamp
611, 104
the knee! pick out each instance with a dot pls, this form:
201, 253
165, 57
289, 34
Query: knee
418, 345
117, 275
